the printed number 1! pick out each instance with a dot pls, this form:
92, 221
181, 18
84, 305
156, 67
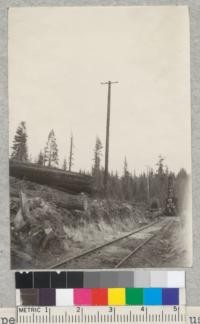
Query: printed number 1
194, 320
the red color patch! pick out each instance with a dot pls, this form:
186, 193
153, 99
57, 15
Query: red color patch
100, 296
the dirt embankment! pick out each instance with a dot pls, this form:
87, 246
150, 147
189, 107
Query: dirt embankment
47, 224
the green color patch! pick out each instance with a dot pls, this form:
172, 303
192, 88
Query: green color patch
134, 296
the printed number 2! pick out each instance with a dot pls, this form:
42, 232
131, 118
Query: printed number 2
194, 320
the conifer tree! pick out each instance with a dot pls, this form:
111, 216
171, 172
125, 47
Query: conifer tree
65, 165
125, 167
51, 150
97, 155
71, 153
40, 158
160, 166
127, 182
161, 180
97, 172
19, 148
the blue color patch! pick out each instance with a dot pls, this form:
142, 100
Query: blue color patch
170, 296
152, 296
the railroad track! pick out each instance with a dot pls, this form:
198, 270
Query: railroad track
163, 222
127, 257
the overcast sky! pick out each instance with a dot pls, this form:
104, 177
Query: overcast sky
59, 56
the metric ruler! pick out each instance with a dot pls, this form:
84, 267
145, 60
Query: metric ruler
189, 315
102, 315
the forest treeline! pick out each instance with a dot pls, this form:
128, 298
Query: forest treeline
150, 186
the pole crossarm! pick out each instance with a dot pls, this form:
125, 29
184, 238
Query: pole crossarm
109, 82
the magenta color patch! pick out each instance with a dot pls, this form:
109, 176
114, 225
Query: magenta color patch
82, 296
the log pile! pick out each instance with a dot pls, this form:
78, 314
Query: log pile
39, 215
63, 180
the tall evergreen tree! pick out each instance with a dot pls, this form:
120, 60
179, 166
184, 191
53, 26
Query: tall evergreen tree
19, 148
51, 150
161, 180
97, 155
71, 153
125, 167
126, 182
97, 172
40, 160
160, 166
65, 165
142, 187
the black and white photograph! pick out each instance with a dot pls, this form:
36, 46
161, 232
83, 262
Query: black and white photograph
99, 137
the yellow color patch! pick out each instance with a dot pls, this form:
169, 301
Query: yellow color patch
116, 296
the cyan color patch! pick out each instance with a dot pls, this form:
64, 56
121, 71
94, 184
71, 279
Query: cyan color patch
152, 296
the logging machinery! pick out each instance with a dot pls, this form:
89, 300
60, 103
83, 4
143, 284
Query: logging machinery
171, 200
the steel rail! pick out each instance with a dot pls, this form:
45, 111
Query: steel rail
140, 246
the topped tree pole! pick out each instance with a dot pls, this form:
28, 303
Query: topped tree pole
109, 83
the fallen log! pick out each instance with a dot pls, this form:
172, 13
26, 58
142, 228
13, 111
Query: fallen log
73, 202
70, 202
67, 181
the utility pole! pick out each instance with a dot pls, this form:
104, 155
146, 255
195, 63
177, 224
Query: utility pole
109, 83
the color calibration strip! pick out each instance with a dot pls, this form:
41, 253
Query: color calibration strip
100, 279
100, 296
